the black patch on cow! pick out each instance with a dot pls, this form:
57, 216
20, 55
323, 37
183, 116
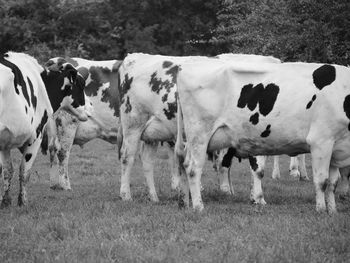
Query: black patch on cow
31, 121
253, 163
346, 107
192, 174
165, 97
33, 98
323, 76
110, 96
97, 79
167, 64
26, 109
158, 84
171, 144
170, 113
266, 132
252, 95
124, 87
61, 154
227, 159
128, 107
58, 122
18, 77
254, 118
173, 72
28, 156
42, 123
324, 185
308, 106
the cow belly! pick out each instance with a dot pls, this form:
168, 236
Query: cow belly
245, 146
156, 130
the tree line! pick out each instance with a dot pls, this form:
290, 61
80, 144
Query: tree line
292, 30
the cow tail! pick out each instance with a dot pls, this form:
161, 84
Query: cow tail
120, 141
45, 142
180, 140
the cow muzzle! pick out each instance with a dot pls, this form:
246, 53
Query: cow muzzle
78, 112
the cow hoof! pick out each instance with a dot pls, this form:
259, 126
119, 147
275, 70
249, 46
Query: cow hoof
21, 200
294, 173
154, 199
321, 209
260, 201
304, 179
332, 211
125, 197
226, 190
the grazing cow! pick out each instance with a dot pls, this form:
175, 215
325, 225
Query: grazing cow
148, 112
251, 108
29, 95
102, 101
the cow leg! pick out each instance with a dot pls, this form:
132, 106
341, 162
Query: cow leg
294, 167
128, 152
343, 185
224, 180
194, 162
7, 172
175, 177
321, 156
66, 130
29, 155
63, 153
332, 183
302, 169
183, 187
257, 165
148, 153
223, 173
276, 174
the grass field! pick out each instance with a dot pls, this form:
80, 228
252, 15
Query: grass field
91, 223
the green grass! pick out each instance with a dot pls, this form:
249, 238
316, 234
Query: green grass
92, 224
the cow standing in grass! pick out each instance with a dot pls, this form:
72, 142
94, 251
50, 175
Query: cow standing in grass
148, 114
29, 94
102, 104
288, 108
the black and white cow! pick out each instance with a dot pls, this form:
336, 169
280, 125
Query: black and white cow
148, 114
102, 106
266, 109
29, 94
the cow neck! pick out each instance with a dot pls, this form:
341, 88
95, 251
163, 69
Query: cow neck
53, 83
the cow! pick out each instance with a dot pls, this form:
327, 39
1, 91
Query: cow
148, 112
266, 109
102, 106
29, 95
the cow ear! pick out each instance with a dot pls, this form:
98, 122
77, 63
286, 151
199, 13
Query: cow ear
71, 72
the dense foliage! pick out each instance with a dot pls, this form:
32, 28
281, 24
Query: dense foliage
307, 30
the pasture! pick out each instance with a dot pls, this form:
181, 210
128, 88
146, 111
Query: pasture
92, 224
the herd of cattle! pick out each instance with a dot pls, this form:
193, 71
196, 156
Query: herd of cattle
231, 105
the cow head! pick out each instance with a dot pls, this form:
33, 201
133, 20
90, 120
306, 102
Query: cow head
65, 88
